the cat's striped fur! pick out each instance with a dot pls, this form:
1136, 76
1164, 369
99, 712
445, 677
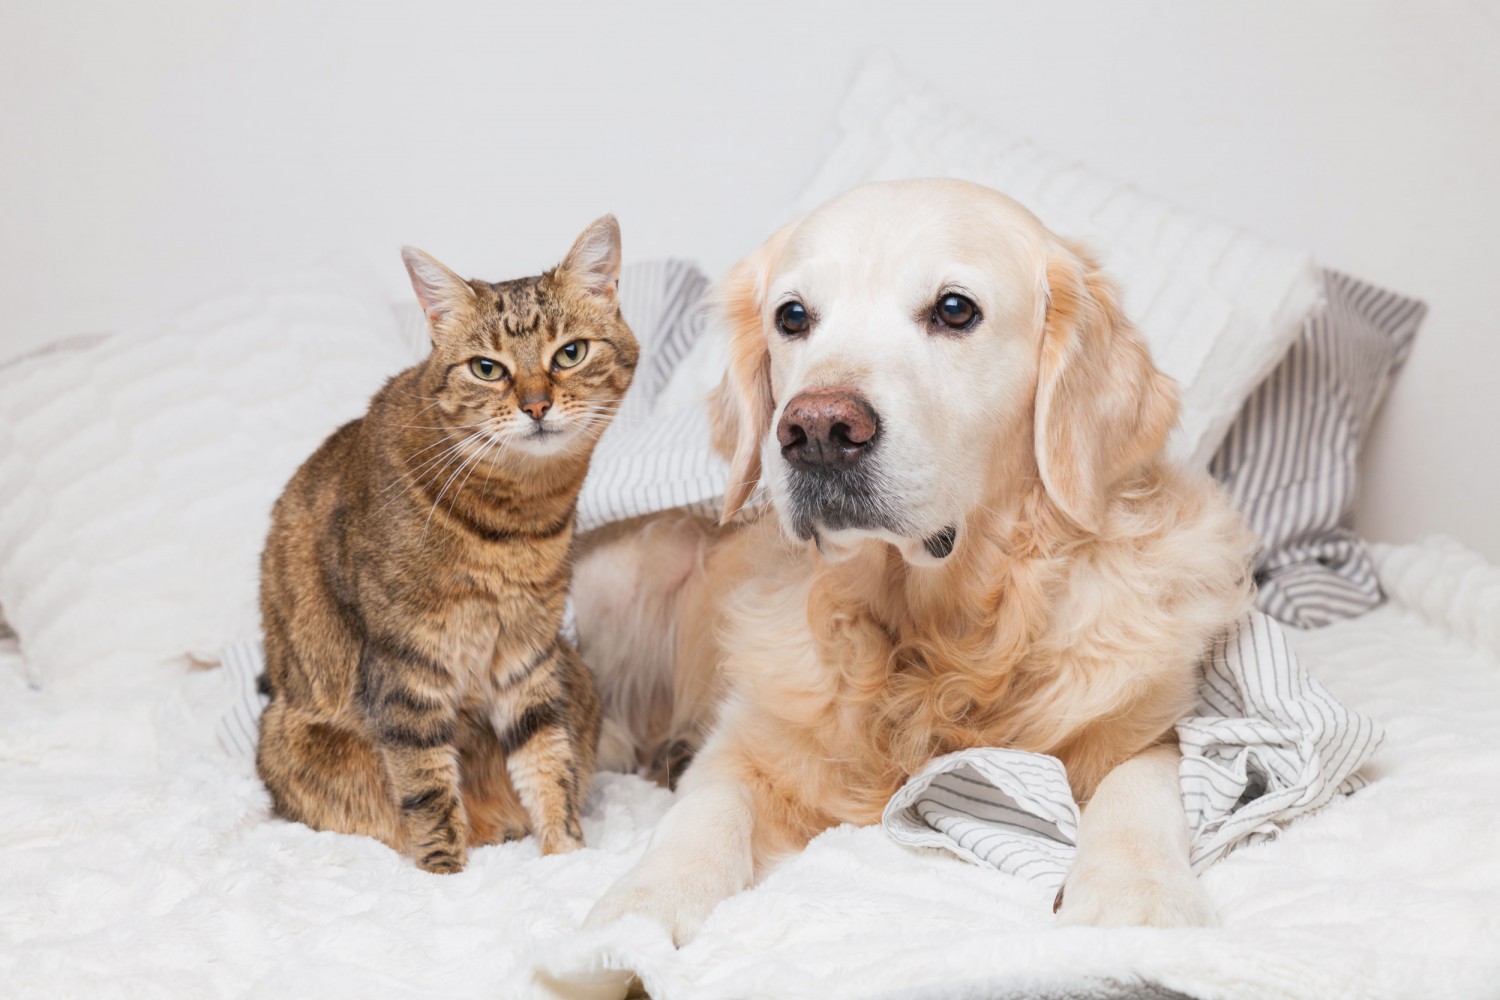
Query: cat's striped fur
413, 583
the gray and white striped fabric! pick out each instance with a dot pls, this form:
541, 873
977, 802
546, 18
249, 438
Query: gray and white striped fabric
1007, 809
656, 455
1267, 744
1290, 460
238, 730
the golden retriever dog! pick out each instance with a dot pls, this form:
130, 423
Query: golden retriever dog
972, 539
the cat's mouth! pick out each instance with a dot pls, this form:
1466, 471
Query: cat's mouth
544, 437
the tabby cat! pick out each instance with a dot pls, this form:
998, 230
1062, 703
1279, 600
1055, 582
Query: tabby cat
412, 586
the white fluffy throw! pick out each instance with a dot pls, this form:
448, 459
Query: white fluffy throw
137, 858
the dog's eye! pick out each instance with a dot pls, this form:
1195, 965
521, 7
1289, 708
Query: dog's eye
956, 312
793, 319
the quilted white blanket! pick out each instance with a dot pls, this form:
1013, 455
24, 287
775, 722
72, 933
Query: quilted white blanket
138, 858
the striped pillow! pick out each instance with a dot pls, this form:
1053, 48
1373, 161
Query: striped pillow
1290, 460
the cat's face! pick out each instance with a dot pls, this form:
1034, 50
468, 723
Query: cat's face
533, 366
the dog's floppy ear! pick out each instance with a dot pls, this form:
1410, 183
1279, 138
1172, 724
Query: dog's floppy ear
1102, 407
740, 408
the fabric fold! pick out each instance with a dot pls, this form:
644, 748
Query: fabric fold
1266, 743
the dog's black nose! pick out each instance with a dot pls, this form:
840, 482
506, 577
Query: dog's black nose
827, 429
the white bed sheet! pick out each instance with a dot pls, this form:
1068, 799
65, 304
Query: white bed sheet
138, 859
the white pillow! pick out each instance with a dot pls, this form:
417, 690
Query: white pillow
137, 472
1218, 305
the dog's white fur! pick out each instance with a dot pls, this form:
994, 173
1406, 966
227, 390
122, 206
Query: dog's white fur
1087, 577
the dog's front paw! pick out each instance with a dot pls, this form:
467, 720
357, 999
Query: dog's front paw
678, 904
1115, 894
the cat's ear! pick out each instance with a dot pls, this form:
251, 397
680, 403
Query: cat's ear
593, 265
438, 289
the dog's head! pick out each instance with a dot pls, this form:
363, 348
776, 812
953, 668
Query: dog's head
897, 351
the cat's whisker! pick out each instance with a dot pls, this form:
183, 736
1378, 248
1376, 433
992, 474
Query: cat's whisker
415, 473
596, 426
606, 419
418, 395
445, 453
440, 427
490, 466
600, 418
448, 438
422, 540
438, 443
435, 400
483, 454
439, 499
608, 411
442, 459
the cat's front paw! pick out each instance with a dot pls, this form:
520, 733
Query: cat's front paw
1118, 894
443, 860
560, 843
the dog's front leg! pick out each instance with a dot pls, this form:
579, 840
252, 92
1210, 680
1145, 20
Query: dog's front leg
1132, 864
699, 855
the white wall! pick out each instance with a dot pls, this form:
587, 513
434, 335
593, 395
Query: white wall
155, 151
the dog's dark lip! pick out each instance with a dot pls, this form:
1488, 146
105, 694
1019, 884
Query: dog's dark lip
940, 545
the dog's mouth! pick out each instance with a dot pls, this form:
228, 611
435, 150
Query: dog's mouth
940, 544
838, 501
839, 510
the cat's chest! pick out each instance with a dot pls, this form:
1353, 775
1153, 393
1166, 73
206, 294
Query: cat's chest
495, 624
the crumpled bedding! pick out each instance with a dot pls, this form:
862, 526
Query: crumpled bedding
1265, 744
137, 858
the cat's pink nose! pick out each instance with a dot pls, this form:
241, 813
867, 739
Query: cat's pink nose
536, 408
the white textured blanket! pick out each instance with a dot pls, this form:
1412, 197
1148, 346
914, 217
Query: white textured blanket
137, 858
1266, 744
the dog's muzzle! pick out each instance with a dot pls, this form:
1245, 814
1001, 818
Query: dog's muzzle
827, 435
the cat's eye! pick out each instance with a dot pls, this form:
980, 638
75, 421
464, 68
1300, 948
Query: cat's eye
793, 319
954, 311
487, 369
571, 355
